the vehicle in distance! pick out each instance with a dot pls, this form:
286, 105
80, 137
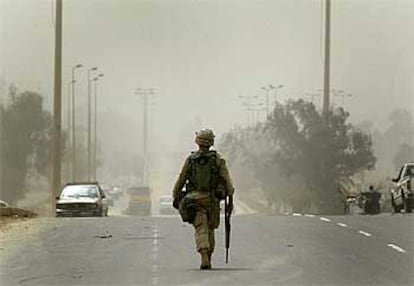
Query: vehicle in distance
166, 206
139, 201
82, 199
402, 195
3, 204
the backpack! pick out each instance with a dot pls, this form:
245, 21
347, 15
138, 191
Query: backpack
203, 172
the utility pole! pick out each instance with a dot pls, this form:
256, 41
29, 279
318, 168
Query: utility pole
89, 135
326, 78
1, 142
144, 94
57, 108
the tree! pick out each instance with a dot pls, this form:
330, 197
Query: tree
25, 141
301, 158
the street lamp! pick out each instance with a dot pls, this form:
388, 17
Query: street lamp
267, 89
73, 123
89, 122
95, 124
248, 103
68, 176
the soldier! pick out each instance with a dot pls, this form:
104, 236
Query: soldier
207, 181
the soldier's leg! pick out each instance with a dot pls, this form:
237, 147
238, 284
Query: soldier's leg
202, 237
211, 241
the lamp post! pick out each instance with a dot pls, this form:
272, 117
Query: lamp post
73, 124
267, 89
89, 123
248, 103
95, 124
275, 89
68, 169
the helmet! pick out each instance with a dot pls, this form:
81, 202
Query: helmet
205, 138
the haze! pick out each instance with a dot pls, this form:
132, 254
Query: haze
200, 56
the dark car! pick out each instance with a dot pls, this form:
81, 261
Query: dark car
402, 195
82, 199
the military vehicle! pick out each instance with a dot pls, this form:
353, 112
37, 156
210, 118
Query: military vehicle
139, 201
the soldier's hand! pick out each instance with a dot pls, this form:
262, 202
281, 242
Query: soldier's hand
176, 204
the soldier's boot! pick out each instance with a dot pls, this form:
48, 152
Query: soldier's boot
205, 260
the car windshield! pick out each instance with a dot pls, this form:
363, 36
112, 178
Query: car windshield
410, 170
79, 191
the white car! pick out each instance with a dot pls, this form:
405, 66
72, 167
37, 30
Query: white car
3, 204
402, 195
82, 199
166, 206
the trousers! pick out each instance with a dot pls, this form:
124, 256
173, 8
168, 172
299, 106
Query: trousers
206, 220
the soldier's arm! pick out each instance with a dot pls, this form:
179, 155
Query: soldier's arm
225, 175
182, 178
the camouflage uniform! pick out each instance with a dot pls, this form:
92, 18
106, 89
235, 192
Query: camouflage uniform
207, 207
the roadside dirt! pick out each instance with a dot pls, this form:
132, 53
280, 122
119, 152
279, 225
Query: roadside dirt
15, 225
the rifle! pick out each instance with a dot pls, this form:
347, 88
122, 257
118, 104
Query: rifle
228, 207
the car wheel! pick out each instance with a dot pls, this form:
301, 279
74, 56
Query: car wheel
407, 206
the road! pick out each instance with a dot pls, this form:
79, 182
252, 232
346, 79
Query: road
292, 249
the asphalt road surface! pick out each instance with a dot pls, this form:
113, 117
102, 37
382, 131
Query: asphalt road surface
293, 249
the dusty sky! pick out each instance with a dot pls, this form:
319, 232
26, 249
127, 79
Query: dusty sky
202, 55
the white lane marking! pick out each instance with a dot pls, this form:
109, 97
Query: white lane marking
342, 224
309, 215
154, 268
295, 214
396, 247
364, 233
324, 219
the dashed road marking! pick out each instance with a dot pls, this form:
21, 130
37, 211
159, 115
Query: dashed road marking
342, 224
309, 215
396, 247
364, 233
324, 219
154, 268
296, 214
